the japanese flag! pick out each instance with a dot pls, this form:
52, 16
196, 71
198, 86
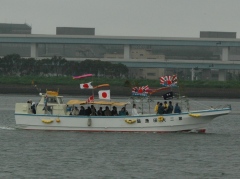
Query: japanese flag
104, 94
86, 86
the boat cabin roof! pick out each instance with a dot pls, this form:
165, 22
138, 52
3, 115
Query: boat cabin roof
110, 103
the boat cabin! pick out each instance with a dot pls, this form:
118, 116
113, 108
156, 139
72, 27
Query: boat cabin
50, 103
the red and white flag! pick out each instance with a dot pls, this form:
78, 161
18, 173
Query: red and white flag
168, 80
104, 94
90, 99
86, 86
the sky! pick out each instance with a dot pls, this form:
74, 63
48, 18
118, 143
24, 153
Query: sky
150, 18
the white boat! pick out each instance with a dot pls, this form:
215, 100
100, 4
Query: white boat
55, 116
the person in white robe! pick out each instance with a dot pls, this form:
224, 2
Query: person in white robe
134, 111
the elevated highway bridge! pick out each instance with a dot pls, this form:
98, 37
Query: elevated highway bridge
201, 64
193, 65
35, 40
224, 43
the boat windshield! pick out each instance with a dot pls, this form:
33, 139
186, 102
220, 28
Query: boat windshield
52, 100
60, 101
55, 100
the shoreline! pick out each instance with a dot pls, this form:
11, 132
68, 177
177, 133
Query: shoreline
116, 91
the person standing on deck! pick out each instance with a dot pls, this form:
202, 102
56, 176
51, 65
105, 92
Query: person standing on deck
170, 107
156, 108
134, 111
177, 109
160, 109
165, 106
33, 108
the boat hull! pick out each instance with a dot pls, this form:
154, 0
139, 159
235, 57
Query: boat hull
195, 120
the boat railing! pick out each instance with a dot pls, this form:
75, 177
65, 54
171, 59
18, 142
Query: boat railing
223, 106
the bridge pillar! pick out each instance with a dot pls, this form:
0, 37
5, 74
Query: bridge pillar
225, 51
126, 51
34, 50
193, 74
222, 75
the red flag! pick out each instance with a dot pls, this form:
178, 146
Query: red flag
90, 99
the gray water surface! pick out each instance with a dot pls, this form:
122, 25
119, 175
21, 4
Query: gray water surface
44, 154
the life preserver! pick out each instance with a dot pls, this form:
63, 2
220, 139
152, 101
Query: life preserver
195, 115
130, 121
47, 121
58, 120
160, 118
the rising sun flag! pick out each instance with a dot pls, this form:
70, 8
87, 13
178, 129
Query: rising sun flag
90, 99
168, 80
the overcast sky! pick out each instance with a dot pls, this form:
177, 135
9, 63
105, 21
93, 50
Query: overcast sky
159, 18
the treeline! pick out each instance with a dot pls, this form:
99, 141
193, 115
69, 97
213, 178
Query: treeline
14, 65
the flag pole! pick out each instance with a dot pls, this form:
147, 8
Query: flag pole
92, 89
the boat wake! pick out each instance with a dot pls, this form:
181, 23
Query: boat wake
6, 128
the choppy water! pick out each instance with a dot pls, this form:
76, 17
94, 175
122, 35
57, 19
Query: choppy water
43, 154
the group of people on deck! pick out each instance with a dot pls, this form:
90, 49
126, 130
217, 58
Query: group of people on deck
91, 111
164, 108
160, 108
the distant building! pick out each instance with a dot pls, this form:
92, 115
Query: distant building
75, 31
15, 28
146, 73
212, 34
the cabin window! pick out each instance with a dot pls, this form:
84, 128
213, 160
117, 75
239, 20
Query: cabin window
180, 118
154, 119
138, 120
146, 120
52, 100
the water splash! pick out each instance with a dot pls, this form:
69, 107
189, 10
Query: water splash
6, 128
